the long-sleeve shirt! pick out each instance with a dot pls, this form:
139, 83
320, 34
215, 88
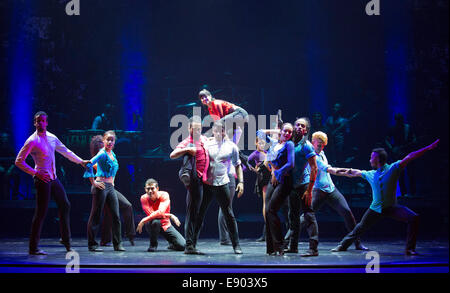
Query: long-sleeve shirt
42, 149
157, 209
106, 167
282, 158
201, 155
270, 154
257, 157
219, 109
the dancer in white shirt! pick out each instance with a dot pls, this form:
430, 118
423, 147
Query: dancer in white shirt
42, 146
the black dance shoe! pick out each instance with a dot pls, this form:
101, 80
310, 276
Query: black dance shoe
338, 248
411, 252
62, 242
226, 242
310, 252
95, 248
37, 252
152, 249
359, 246
119, 247
279, 252
237, 249
192, 250
291, 250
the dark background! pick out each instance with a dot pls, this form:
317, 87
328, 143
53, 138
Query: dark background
152, 56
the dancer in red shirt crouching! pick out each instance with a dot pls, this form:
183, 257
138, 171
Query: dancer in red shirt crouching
156, 205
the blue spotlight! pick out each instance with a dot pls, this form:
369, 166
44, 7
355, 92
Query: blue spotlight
318, 82
398, 40
132, 75
21, 52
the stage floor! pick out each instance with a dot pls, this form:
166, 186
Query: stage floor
433, 258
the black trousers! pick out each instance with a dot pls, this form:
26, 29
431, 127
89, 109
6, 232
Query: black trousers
223, 230
338, 203
397, 212
222, 195
238, 114
154, 228
298, 206
126, 210
100, 197
275, 197
45, 191
194, 198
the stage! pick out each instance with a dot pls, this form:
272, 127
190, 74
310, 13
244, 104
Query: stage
433, 258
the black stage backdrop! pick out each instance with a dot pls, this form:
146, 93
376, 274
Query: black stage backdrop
152, 58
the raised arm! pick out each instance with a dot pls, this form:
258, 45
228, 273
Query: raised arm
417, 154
270, 131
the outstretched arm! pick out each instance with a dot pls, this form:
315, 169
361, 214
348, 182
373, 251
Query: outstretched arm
351, 173
63, 150
414, 155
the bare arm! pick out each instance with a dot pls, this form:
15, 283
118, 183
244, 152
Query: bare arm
351, 173
240, 178
270, 131
100, 185
312, 176
347, 172
312, 179
338, 171
417, 154
333, 171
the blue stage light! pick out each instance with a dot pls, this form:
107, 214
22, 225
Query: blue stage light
21, 52
318, 79
398, 42
132, 74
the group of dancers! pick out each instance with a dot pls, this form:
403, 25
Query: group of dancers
290, 168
